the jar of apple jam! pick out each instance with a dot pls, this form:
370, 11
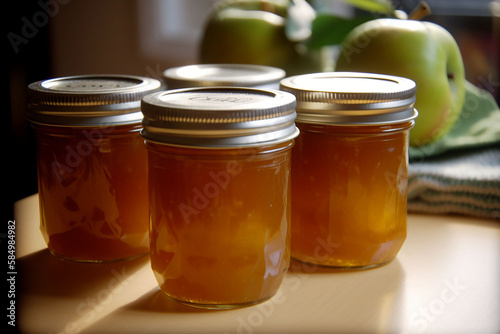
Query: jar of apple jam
92, 165
350, 166
219, 180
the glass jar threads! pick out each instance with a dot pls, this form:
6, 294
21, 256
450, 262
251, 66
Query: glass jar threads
92, 165
210, 75
350, 166
219, 176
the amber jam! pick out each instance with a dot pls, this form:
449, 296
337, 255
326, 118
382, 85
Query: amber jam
350, 167
220, 220
353, 211
93, 192
92, 166
220, 195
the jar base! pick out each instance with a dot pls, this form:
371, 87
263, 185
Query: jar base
334, 267
216, 306
83, 260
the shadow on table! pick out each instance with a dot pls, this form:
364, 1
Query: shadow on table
156, 301
58, 296
156, 313
362, 301
42, 273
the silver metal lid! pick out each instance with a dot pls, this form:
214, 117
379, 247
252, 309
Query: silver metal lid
219, 117
89, 100
351, 98
209, 75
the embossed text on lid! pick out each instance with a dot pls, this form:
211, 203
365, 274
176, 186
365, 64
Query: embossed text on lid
219, 117
88, 100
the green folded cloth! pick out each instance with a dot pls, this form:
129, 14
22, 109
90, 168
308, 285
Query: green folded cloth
460, 174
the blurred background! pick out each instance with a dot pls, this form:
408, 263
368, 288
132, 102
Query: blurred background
53, 38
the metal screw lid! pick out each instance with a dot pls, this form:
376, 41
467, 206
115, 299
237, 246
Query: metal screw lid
89, 100
209, 75
219, 117
351, 98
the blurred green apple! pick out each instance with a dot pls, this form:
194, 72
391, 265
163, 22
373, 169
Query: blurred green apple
422, 51
253, 32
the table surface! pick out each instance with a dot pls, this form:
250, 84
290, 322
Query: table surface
445, 279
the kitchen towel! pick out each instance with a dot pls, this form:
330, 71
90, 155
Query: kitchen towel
464, 182
460, 174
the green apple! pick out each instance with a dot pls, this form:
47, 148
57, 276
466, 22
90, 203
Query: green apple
253, 32
422, 51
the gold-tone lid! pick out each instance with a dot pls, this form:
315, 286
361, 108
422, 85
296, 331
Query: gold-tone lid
89, 100
219, 117
351, 98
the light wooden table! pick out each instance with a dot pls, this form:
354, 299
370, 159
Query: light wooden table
446, 279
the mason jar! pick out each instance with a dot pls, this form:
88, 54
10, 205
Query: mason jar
209, 75
350, 167
92, 165
219, 178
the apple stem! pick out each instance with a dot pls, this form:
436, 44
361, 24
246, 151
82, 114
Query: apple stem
421, 11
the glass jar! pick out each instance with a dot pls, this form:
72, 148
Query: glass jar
350, 167
209, 75
92, 165
219, 178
